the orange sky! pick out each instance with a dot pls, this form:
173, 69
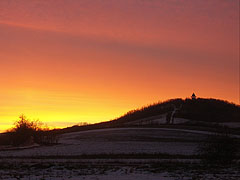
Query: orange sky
69, 61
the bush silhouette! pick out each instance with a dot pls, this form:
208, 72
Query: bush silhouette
27, 132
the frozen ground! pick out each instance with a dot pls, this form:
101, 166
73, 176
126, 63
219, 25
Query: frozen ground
111, 170
119, 141
58, 162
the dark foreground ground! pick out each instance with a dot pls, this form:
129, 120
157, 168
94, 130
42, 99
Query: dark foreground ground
116, 154
108, 169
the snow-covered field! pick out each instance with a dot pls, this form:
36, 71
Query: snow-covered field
61, 161
111, 170
119, 141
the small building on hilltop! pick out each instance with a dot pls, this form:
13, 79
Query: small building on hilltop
193, 96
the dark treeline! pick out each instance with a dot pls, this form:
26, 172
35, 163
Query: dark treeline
209, 110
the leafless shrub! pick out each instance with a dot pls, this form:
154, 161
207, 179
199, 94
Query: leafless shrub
27, 132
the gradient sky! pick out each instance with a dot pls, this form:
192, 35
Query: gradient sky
71, 61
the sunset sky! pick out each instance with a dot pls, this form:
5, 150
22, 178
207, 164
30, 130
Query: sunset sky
71, 61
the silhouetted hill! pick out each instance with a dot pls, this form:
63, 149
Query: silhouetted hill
202, 110
208, 110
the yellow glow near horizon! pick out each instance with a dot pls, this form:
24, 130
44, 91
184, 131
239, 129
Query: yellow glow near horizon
57, 110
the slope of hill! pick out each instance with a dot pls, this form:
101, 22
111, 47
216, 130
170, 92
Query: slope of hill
208, 110
205, 112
